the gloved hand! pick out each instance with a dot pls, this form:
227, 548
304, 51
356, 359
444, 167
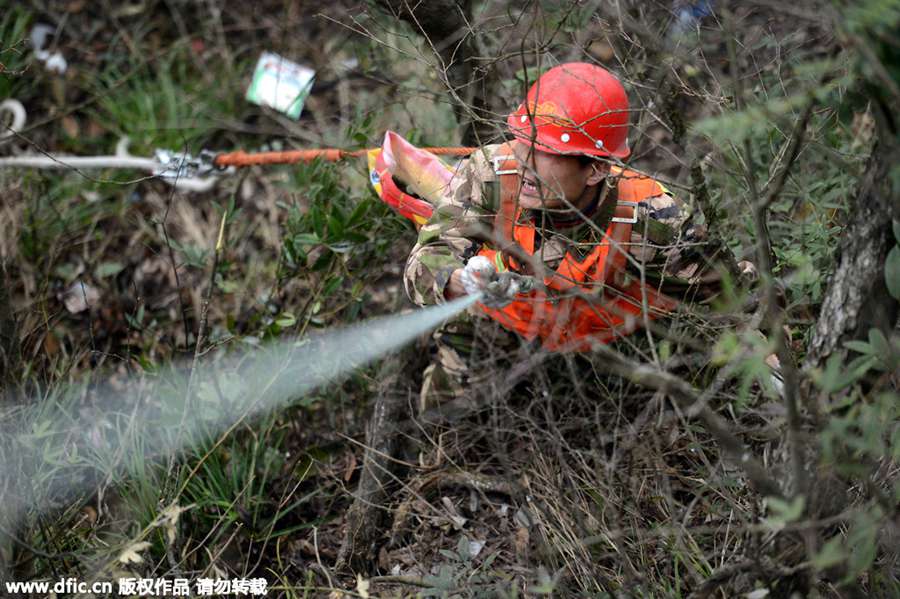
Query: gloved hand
497, 289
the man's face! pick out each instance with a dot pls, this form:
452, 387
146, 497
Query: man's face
548, 178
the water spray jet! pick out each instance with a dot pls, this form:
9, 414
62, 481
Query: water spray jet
57, 450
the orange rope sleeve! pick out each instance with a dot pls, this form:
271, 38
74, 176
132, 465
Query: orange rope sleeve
241, 158
451, 151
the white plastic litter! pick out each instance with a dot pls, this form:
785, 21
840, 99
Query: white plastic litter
280, 84
55, 62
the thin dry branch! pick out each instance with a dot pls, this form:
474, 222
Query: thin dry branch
689, 399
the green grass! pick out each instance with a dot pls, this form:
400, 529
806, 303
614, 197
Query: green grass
169, 105
14, 48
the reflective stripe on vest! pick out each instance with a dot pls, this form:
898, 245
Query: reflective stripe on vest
592, 302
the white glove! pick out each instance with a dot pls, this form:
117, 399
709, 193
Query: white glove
480, 277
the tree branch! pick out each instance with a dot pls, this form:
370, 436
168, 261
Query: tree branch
689, 399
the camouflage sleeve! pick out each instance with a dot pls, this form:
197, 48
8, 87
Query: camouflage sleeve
680, 258
445, 241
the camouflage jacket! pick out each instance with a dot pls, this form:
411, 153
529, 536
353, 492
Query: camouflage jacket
675, 260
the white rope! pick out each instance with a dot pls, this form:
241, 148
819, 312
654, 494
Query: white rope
149, 165
122, 159
157, 167
69, 162
19, 117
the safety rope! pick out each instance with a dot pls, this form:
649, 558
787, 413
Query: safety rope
241, 158
180, 169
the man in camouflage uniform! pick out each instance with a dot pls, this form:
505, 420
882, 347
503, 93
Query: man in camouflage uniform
568, 197
670, 255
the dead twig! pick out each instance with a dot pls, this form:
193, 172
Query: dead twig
689, 400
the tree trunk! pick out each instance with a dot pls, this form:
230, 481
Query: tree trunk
857, 299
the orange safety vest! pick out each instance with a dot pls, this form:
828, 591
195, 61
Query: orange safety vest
568, 320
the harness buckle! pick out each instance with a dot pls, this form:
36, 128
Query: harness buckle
627, 219
498, 160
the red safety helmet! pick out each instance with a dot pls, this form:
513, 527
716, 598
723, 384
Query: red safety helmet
575, 108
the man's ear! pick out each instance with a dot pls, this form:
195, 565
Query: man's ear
599, 171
